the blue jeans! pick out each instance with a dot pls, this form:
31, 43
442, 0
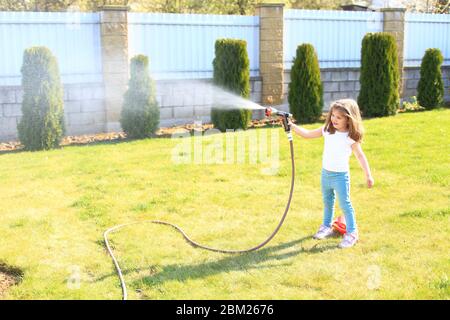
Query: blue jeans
332, 183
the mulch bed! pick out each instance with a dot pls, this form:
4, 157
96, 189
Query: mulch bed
118, 136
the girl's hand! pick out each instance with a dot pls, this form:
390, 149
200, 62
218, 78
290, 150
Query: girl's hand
290, 122
370, 182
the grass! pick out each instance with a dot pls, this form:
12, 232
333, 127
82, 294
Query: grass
55, 206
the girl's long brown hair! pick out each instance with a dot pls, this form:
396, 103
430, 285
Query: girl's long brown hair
350, 109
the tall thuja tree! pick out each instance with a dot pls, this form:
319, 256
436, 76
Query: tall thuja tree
305, 89
232, 73
380, 76
140, 111
42, 124
430, 90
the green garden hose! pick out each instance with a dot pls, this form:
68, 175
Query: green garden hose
196, 244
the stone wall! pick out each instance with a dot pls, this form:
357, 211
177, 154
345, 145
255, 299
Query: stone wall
337, 84
344, 83
83, 107
186, 101
411, 78
394, 23
114, 35
271, 51
180, 101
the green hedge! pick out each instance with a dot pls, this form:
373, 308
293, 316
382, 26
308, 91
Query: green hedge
380, 75
140, 111
42, 124
430, 90
305, 89
232, 73
230, 119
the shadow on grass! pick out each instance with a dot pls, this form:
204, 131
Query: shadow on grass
112, 141
11, 151
21, 149
234, 262
9, 276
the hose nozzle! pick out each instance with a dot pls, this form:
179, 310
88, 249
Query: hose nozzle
284, 115
272, 111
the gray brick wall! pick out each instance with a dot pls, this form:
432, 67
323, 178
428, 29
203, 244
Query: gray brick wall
183, 101
411, 78
186, 101
344, 83
337, 84
180, 101
83, 107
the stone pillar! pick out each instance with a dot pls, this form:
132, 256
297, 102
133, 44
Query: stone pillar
271, 52
114, 41
394, 23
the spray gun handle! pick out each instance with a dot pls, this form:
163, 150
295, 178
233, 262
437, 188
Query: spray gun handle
286, 125
284, 117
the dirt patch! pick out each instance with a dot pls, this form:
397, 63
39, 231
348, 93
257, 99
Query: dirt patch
6, 281
9, 276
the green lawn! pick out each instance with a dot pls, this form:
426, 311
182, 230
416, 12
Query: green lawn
55, 206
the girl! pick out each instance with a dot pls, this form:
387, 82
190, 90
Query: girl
343, 134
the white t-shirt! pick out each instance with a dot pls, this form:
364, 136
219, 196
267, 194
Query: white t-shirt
337, 151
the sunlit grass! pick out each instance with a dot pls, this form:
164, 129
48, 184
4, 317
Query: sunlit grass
55, 206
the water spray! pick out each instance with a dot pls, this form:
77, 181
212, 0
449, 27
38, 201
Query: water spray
269, 111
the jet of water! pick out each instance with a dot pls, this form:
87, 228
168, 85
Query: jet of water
225, 99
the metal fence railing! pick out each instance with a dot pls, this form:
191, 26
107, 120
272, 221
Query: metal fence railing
181, 46
73, 37
336, 35
423, 31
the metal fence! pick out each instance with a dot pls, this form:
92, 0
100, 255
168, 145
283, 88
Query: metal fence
423, 31
336, 35
73, 37
181, 46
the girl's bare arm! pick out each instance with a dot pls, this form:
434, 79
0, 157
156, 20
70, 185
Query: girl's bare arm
357, 150
305, 133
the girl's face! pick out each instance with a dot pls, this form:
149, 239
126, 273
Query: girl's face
339, 120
